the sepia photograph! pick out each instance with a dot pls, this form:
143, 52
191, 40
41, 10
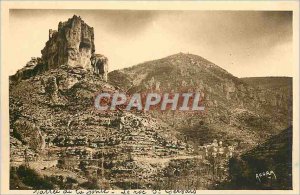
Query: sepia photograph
137, 100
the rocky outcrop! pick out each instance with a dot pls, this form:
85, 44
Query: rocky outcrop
28, 133
72, 45
32, 68
100, 65
51, 88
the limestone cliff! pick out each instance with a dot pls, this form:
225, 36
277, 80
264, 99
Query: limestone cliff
99, 64
72, 45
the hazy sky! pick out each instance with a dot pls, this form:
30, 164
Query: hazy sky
245, 43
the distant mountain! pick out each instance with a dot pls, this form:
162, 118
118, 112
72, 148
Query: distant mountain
179, 69
236, 109
269, 82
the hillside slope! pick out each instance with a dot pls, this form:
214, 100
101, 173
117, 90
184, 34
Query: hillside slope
274, 156
56, 127
235, 109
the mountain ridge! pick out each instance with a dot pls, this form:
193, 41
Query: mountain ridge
56, 130
223, 91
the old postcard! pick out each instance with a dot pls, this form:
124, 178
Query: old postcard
185, 97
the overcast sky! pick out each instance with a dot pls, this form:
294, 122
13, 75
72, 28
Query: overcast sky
245, 43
